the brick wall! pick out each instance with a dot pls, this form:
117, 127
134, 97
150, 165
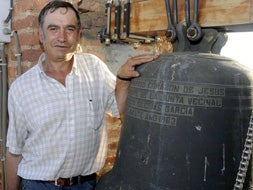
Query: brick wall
24, 21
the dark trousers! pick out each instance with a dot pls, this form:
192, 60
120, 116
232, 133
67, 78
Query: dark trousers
41, 185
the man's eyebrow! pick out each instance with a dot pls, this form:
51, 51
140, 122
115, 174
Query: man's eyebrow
67, 26
52, 25
71, 26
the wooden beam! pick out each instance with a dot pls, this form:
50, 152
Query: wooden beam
149, 17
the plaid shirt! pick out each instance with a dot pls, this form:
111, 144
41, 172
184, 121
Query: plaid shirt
61, 130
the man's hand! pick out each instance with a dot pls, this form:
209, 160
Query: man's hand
124, 76
127, 71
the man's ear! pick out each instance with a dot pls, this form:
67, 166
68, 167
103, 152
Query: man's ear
80, 32
41, 36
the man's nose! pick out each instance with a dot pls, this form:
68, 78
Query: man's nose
62, 36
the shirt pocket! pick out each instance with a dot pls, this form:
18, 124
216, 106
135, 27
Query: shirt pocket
96, 113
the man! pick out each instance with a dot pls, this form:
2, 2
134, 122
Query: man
57, 136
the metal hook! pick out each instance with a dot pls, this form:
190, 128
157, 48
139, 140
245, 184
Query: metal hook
171, 31
194, 32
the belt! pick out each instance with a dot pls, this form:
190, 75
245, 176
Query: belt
74, 180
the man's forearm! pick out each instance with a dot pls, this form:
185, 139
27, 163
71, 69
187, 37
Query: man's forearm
12, 162
121, 93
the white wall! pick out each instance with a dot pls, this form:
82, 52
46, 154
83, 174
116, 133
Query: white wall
240, 47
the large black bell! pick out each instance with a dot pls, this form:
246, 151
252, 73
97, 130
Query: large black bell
185, 125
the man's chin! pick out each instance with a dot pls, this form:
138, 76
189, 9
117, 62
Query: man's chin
64, 56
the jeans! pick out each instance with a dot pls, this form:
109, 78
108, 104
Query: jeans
42, 185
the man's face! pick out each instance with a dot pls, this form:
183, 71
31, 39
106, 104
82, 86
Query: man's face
60, 34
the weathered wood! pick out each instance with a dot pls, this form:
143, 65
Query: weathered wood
149, 17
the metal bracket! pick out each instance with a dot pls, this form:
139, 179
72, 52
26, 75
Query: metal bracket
116, 34
125, 37
126, 25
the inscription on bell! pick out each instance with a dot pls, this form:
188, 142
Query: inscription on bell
163, 101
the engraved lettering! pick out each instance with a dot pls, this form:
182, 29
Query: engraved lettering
152, 117
179, 110
174, 99
206, 102
172, 88
188, 89
160, 101
211, 91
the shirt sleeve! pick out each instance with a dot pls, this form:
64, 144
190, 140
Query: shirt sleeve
16, 133
110, 83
